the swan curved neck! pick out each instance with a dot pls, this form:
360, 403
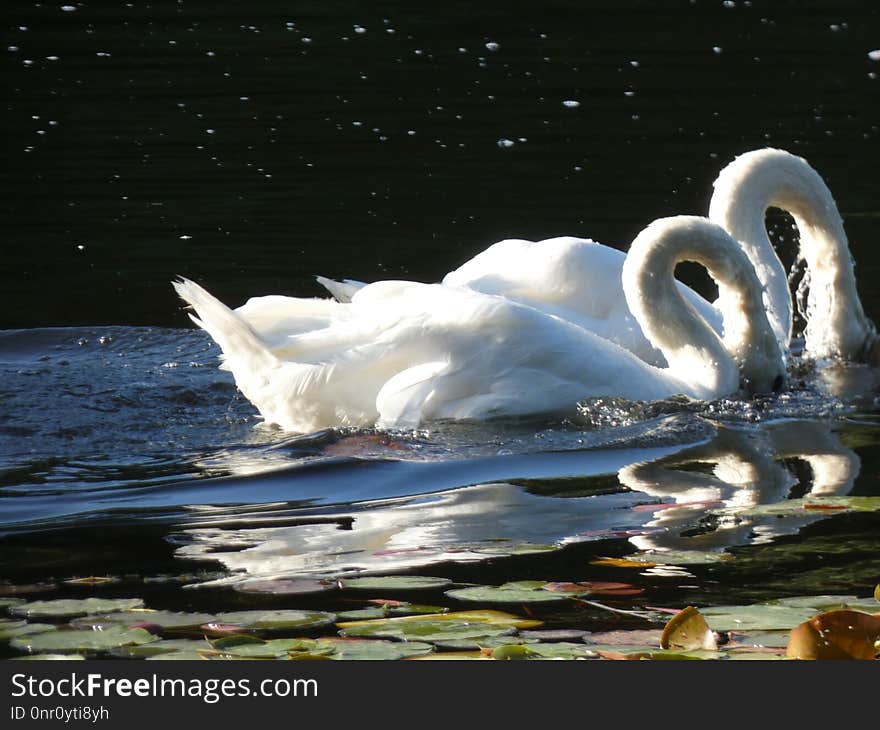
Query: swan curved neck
688, 343
744, 190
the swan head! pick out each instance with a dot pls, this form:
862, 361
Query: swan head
749, 356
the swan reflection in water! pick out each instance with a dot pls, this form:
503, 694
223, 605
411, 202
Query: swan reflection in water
748, 469
699, 499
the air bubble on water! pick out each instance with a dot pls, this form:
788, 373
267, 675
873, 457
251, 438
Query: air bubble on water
360, 29
492, 46
874, 55
505, 143
68, 8
571, 104
185, 237
717, 50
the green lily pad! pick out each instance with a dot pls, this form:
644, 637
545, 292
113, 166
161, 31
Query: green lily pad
479, 643
185, 656
345, 649
817, 505
69, 607
167, 620
49, 657
273, 649
758, 640
166, 646
757, 617
545, 650
519, 592
287, 586
13, 629
7, 602
426, 629
276, 620
76, 640
826, 603
395, 583
385, 610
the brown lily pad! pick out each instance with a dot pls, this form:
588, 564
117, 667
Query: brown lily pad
836, 635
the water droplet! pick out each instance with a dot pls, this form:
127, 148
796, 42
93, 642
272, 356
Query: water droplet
874, 55
717, 50
571, 104
505, 143
360, 29
68, 8
492, 46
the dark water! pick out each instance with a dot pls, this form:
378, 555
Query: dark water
251, 147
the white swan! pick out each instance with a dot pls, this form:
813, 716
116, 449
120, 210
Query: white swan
578, 279
401, 353
744, 190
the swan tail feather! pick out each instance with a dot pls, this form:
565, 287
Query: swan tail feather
243, 349
341, 291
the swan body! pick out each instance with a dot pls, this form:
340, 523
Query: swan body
401, 353
836, 323
574, 278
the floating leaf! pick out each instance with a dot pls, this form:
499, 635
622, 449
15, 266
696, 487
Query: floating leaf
836, 635
688, 630
75, 640
287, 586
636, 637
185, 656
594, 588
166, 620
440, 627
7, 602
269, 649
483, 642
49, 657
374, 649
12, 629
231, 641
7, 589
758, 640
453, 656
555, 650
553, 635
520, 592
397, 608
69, 607
395, 583
166, 646
426, 629
681, 557
668, 654
283, 620
759, 616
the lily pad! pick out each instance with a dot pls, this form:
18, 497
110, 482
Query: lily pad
287, 586
7, 602
344, 649
545, 650
13, 629
283, 620
273, 649
399, 608
439, 627
688, 630
483, 643
836, 635
395, 583
185, 656
761, 617
427, 630
49, 657
69, 607
166, 646
520, 592
166, 620
827, 603
76, 640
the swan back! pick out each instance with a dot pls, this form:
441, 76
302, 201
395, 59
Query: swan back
757, 180
689, 344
